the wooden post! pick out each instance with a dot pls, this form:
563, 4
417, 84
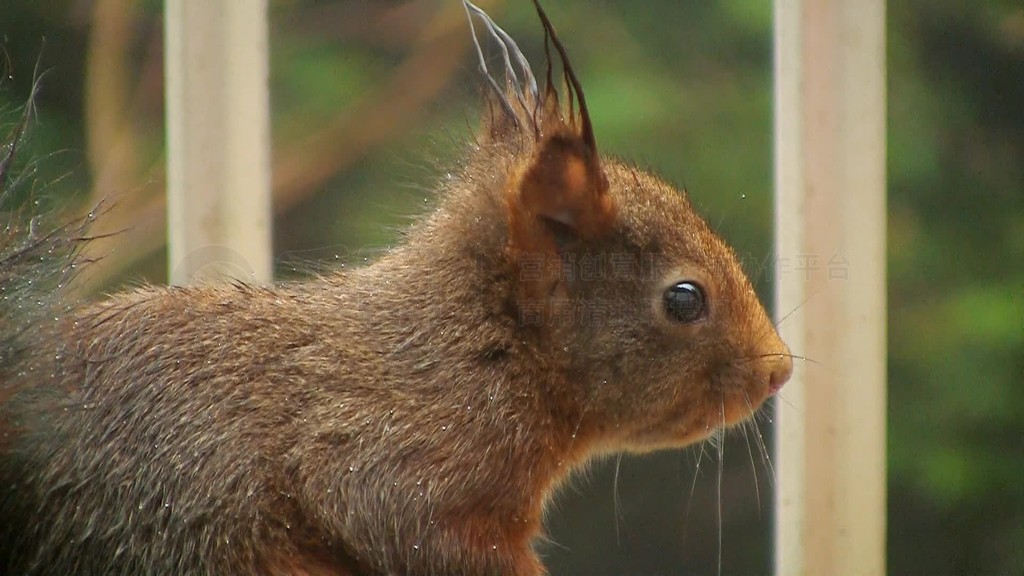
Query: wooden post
830, 249
218, 139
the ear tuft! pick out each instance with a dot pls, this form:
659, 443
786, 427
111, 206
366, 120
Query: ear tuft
516, 106
558, 193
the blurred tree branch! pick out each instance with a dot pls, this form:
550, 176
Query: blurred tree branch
301, 167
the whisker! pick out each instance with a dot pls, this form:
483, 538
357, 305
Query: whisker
793, 311
785, 400
750, 453
616, 503
720, 433
583, 413
547, 540
775, 326
770, 354
717, 435
763, 448
762, 415
693, 487
766, 457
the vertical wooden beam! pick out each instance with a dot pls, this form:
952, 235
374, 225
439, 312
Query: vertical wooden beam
830, 249
218, 139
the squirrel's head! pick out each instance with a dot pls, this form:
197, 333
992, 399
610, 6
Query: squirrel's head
655, 326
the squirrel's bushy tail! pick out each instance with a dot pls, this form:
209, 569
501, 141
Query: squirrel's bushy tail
37, 255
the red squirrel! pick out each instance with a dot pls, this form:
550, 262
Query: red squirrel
409, 417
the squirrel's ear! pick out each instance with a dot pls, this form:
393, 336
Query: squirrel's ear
561, 196
563, 186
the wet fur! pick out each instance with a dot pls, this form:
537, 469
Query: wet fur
410, 417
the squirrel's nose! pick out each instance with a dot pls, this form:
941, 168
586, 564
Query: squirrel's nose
782, 369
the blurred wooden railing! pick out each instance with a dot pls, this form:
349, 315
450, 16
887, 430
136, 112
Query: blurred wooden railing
830, 290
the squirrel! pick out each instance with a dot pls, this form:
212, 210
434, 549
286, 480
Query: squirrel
410, 417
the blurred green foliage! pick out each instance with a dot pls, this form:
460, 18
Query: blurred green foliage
684, 87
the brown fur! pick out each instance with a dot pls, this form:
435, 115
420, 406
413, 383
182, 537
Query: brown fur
410, 417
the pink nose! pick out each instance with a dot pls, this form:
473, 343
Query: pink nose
782, 369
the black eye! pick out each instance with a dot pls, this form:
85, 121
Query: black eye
684, 302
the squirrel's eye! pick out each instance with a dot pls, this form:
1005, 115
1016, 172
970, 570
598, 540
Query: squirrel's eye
684, 302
